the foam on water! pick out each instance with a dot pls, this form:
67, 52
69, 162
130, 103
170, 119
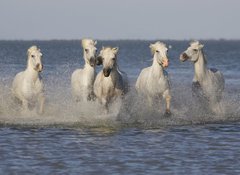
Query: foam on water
61, 110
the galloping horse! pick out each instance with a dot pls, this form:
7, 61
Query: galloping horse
82, 79
27, 86
208, 84
110, 83
153, 81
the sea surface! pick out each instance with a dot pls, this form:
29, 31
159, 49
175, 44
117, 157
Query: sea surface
79, 138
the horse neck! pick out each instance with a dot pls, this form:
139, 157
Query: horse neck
200, 67
31, 72
88, 67
114, 73
156, 67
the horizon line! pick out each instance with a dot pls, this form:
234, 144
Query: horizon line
209, 39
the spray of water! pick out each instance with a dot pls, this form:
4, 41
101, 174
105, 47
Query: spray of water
133, 110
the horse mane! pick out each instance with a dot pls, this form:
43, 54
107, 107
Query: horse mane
106, 48
32, 49
194, 42
204, 56
153, 46
88, 42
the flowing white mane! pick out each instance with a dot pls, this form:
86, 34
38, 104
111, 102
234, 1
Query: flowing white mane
156, 45
196, 44
33, 49
88, 42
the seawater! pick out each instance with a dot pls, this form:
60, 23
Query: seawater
72, 138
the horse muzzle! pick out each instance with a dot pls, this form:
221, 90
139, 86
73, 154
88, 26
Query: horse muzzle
92, 61
106, 72
184, 57
39, 67
165, 63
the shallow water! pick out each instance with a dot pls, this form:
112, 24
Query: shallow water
133, 139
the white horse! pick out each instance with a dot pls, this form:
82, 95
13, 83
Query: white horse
27, 86
82, 79
153, 81
208, 84
110, 83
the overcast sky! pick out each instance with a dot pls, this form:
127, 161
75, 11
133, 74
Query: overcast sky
120, 19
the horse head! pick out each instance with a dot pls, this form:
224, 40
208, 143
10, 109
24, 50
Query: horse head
35, 58
193, 51
89, 51
160, 51
108, 58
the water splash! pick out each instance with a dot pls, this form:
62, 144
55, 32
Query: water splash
133, 110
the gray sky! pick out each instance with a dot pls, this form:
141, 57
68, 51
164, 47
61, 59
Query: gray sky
120, 19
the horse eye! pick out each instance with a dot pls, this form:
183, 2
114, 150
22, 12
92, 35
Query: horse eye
195, 50
86, 50
113, 59
157, 51
33, 56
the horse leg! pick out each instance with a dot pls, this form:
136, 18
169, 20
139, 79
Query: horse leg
41, 101
199, 97
25, 105
150, 101
217, 108
197, 91
168, 102
104, 102
167, 97
91, 96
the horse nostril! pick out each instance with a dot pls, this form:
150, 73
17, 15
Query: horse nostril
106, 72
39, 67
92, 61
185, 56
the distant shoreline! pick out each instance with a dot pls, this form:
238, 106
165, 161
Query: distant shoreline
30, 40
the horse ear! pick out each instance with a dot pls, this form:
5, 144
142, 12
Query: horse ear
95, 43
201, 46
115, 50
151, 46
30, 50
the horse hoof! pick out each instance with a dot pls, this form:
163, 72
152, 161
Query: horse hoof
167, 113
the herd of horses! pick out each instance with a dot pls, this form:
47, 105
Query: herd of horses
111, 83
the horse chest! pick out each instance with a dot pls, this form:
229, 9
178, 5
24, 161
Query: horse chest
108, 86
157, 85
88, 78
87, 81
31, 89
